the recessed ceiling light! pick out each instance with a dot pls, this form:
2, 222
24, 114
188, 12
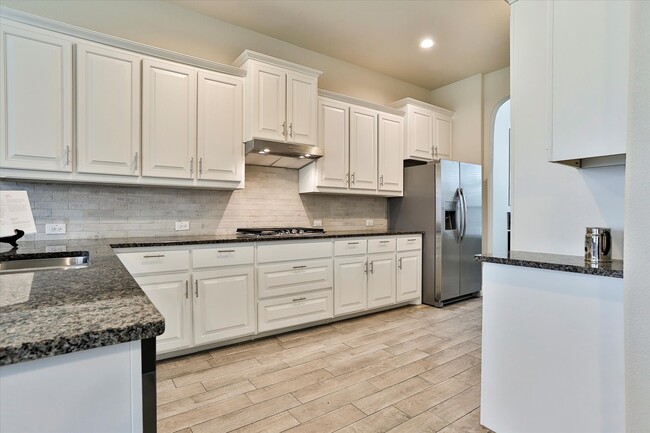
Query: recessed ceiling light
426, 43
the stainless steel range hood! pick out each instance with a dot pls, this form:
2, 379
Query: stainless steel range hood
271, 153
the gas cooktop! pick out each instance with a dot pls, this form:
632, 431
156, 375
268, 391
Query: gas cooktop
278, 231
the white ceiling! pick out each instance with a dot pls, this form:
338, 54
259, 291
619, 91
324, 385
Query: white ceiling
471, 36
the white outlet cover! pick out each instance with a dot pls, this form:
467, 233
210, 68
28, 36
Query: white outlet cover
370, 223
54, 229
318, 223
182, 225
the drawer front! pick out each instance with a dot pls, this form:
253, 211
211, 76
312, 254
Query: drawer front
409, 243
301, 250
223, 256
294, 277
381, 245
155, 261
351, 247
293, 310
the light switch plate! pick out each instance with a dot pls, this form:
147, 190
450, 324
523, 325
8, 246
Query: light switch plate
318, 223
54, 229
370, 223
182, 225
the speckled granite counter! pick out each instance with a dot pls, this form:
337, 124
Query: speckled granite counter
556, 262
55, 312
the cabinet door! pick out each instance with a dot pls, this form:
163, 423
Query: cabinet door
409, 275
302, 98
269, 117
442, 144
350, 284
168, 119
363, 148
108, 111
171, 296
36, 106
419, 134
224, 304
391, 164
333, 138
381, 280
220, 148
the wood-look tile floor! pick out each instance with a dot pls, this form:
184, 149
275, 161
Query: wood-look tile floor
412, 369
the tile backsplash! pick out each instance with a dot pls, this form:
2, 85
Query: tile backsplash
270, 199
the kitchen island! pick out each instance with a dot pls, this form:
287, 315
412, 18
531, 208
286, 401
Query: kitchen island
553, 355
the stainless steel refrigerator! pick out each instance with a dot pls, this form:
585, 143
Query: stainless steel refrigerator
443, 199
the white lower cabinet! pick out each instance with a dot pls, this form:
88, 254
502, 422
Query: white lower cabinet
276, 313
350, 284
409, 275
381, 279
294, 277
170, 294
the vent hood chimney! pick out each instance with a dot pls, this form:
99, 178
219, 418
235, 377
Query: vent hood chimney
271, 153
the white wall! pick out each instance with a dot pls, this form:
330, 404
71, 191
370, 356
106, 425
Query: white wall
168, 26
637, 223
465, 98
551, 203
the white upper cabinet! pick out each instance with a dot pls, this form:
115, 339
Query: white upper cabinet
589, 76
390, 163
334, 140
220, 126
108, 111
36, 106
363, 148
281, 99
168, 119
428, 130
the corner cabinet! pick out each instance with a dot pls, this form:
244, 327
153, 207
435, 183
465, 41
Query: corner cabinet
428, 130
362, 143
281, 99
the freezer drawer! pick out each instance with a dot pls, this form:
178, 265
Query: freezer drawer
293, 310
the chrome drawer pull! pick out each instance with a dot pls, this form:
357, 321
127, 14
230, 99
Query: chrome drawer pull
299, 299
300, 267
154, 256
412, 240
196, 288
186, 290
353, 243
384, 242
399, 264
226, 251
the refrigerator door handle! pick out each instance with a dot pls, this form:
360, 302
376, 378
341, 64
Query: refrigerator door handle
464, 206
459, 211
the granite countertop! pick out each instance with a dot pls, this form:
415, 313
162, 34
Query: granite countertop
556, 262
54, 312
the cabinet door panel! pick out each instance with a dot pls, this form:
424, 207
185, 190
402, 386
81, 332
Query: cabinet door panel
302, 95
269, 102
334, 140
225, 305
168, 120
442, 144
108, 111
350, 285
170, 294
409, 276
220, 148
381, 280
391, 164
36, 106
363, 148
294, 310
420, 133
293, 277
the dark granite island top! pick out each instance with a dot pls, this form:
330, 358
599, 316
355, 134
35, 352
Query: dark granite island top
54, 312
556, 262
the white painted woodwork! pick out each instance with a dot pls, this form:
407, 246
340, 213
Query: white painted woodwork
224, 304
381, 245
589, 68
289, 251
277, 313
552, 351
96, 390
409, 243
443, 138
363, 148
334, 140
224, 255
153, 261
350, 284
302, 114
168, 119
409, 275
220, 149
171, 294
389, 150
381, 280
294, 277
268, 115
350, 247
419, 134
108, 111
36, 105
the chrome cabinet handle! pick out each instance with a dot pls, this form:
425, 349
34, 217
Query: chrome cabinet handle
67, 155
196, 288
226, 251
381, 180
154, 256
412, 239
299, 299
347, 178
200, 166
384, 242
135, 162
284, 128
300, 267
365, 267
372, 267
399, 263
435, 151
187, 295
191, 167
291, 130
353, 243
353, 178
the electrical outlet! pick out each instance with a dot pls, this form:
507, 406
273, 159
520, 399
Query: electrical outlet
182, 225
318, 223
370, 223
55, 248
54, 229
